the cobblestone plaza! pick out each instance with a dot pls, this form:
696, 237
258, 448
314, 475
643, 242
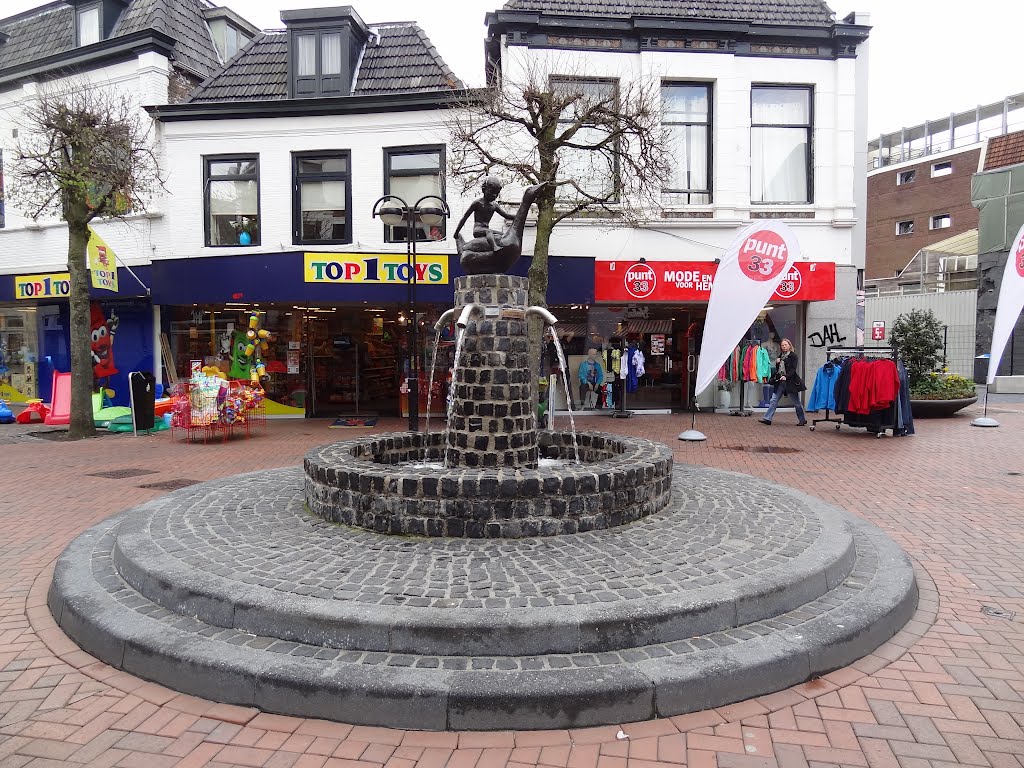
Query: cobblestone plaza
947, 689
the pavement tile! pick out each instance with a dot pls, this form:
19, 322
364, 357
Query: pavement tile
953, 696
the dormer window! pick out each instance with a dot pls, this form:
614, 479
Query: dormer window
88, 24
318, 64
324, 49
230, 32
95, 19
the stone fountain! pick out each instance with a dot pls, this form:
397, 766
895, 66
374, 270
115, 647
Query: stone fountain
490, 485
461, 580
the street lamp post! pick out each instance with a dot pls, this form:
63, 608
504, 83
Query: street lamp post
429, 210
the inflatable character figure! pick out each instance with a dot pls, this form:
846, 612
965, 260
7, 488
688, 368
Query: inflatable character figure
246, 353
240, 363
102, 343
490, 251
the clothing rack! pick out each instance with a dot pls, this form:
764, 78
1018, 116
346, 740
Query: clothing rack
743, 410
831, 353
620, 412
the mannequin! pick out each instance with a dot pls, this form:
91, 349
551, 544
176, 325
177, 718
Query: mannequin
591, 376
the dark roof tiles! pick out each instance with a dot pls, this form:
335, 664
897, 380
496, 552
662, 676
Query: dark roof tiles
398, 58
50, 31
800, 12
402, 58
258, 71
34, 37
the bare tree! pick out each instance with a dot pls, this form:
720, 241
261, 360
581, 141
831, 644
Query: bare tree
83, 152
596, 142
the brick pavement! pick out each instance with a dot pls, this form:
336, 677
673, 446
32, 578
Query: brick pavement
948, 691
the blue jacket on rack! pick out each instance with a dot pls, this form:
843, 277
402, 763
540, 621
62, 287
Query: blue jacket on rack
823, 391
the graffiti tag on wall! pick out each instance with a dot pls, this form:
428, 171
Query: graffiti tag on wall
829, 334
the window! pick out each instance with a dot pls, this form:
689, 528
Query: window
411, 173
233, 40
780, 144
686, 117
232, 200
905, 177
596, 172
321, 194
317, 63
88, 25
942, 221
942, 169
905, 228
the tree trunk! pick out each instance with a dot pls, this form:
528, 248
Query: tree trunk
80, 333
538, 285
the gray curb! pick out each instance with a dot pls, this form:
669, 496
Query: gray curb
186, 655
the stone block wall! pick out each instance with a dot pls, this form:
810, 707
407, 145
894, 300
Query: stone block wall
492, 424
382, 484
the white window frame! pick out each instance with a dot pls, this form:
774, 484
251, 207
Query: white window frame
899, 224
900, 180
944, 168
932, 222
80, 13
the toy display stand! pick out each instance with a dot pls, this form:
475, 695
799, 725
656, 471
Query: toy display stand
207, 408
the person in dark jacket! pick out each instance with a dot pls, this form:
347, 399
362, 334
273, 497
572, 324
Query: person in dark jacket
787, 382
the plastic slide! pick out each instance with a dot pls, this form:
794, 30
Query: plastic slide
60, 407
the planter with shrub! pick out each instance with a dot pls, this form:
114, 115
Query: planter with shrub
918, 337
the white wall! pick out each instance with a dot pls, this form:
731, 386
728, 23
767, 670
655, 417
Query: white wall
29, 246
829, 236
274, 139
957, 310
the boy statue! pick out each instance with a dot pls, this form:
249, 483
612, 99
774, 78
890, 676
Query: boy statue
490, 251
483, 209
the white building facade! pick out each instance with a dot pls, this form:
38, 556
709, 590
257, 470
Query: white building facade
150, 53
768, 110
277, 168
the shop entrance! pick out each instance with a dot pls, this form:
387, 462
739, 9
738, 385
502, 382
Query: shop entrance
660, 336
667, 340
345, 360
352, 361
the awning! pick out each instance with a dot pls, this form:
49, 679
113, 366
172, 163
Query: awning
964, 244
571, 330
644, 326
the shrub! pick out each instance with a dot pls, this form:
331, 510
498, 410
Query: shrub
942, 386
917, 335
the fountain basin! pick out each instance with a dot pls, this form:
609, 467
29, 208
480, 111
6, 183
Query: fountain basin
375, 483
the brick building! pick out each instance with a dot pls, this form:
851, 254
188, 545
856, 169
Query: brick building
919, 182
915, 204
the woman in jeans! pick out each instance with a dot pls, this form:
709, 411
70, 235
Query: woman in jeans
787, 382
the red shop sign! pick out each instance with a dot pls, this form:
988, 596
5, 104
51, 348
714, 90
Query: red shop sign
675, 281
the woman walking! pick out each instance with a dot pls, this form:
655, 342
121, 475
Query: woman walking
786, 381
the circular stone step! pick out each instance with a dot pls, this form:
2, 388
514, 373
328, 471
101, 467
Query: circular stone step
243, 553
107, 617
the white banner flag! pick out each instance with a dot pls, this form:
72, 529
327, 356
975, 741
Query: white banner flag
760, 256
1011, 301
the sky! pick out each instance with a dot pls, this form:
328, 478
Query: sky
928, 57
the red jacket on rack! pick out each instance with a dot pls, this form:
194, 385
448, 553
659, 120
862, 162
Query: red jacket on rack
873, 385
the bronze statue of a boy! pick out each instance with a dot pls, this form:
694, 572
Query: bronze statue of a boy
490, 251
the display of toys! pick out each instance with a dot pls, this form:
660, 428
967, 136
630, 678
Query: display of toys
247, 351
207, 405
214, 371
